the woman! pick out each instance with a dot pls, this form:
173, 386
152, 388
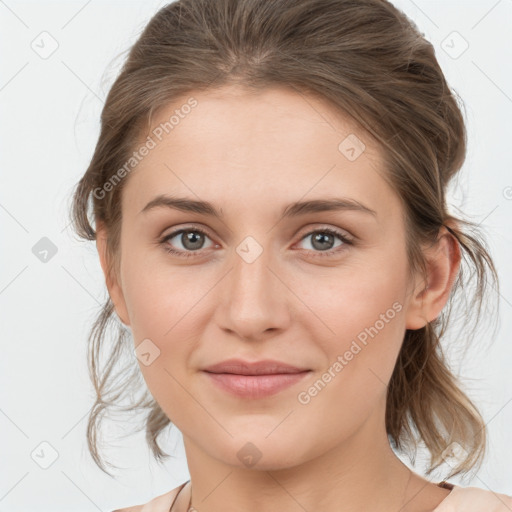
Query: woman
268, 192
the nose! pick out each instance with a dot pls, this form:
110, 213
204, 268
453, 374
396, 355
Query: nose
254, 299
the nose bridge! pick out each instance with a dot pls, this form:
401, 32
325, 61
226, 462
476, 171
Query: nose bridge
255, 301
251, 275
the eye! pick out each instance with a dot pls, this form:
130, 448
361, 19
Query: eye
323, 240
191, 240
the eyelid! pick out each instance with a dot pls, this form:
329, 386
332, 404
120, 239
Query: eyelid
196, 227
305, 231
329, 228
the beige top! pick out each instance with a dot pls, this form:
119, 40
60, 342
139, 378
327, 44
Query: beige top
460, 499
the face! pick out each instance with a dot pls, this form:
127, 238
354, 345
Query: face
322, 289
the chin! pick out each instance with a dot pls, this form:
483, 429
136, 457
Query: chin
262, 453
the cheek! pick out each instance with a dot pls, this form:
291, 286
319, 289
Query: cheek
346, 302
163, 315
157, 295
362, 323
369, 327
164, 305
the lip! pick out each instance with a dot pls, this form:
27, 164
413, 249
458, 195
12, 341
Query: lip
264, 367
255, 386
254, 379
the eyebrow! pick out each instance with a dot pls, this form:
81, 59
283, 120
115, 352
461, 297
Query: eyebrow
292, 210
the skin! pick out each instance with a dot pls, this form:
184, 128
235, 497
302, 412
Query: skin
251, 154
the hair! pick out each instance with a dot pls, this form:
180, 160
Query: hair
369, 61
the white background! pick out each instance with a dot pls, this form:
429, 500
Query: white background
50, 111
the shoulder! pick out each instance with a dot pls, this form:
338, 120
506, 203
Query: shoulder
160, 503
474, 499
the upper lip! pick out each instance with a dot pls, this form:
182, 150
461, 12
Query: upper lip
264, 367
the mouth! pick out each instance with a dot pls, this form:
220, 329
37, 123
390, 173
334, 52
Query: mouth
254, 380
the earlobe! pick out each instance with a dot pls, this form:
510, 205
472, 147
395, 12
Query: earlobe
428, 300
113, 286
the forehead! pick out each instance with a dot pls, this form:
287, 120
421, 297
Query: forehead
259, 148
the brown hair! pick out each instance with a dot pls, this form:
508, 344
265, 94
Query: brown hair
369, 61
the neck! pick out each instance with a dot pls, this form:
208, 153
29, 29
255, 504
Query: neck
361, 473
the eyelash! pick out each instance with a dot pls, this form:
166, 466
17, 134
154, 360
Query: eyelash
188, 254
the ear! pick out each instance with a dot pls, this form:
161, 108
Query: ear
114, 288
428, 300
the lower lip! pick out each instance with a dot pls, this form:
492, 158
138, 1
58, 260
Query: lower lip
255, 386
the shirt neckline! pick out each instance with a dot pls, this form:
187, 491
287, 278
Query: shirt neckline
443, 484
